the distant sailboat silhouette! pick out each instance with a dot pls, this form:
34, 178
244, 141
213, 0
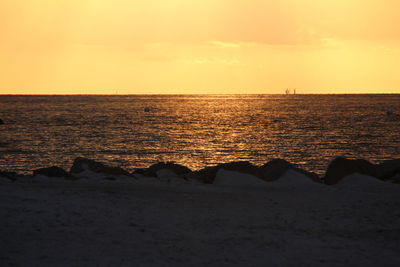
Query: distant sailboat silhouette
288, 91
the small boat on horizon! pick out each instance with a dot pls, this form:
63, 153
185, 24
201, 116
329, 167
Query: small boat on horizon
287, 92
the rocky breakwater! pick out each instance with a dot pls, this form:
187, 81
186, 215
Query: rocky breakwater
273, 170
341, 167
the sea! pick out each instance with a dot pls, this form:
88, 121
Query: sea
135, 131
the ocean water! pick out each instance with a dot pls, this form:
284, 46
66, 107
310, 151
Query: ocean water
196, 130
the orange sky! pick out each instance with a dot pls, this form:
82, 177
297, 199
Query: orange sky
199, 46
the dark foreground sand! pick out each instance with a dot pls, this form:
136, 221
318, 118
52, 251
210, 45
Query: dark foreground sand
125, 223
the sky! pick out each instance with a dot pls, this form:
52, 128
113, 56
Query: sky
199, 46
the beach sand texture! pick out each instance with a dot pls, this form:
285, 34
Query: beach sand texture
171, 222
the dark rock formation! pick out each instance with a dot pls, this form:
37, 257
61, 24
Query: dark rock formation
82, 164
140, 171
239, 166
52, 172
178, 169
275, 168
9, 175
388, 169
207, 175
114, 171
268, 172
341, 167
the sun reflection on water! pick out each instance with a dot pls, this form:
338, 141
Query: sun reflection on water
196, 131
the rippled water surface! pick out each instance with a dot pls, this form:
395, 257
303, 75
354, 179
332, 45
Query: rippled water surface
196, 130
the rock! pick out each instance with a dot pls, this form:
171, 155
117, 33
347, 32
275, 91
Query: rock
113, 171
276, 168
83, 164
53, 171
9, 175
268, 172
207, 175
388, 169
239, 166
294, 178
178, 169
140, 171
341, 167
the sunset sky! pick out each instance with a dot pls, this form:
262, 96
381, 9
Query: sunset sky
199, 46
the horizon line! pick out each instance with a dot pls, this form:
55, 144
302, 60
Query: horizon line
151, 94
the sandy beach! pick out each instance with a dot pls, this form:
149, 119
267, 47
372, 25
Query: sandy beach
170, 222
